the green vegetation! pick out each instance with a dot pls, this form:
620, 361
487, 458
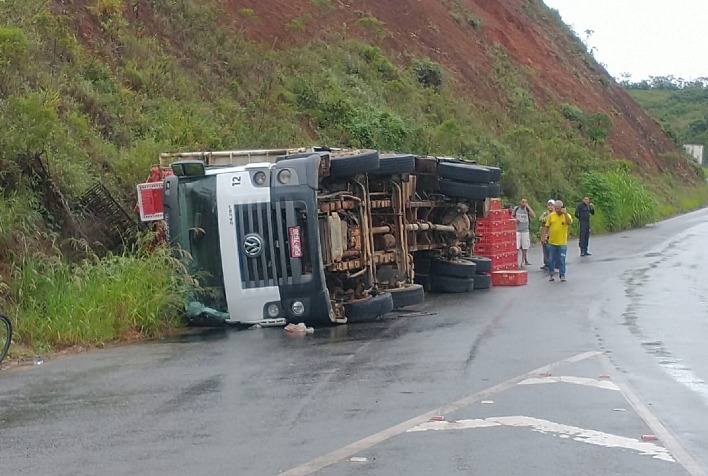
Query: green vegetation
683, 113
248, 13
373, 25
622, 201
462, 15
595, 127
296, 24
104, 107
95, 300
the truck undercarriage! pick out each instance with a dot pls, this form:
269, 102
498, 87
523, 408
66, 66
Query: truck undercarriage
381, 224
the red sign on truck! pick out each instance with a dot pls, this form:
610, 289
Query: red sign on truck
150, 201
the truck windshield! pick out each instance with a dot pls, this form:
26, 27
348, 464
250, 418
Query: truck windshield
199, 235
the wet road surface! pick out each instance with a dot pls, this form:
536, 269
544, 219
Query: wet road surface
544, 379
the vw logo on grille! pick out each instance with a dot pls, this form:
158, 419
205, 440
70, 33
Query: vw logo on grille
253, 245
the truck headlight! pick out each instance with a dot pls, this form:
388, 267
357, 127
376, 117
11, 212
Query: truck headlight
284, 176
259, 178
298, 308
273, 310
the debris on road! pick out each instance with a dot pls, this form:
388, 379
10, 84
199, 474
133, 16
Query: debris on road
300, 328
414, 313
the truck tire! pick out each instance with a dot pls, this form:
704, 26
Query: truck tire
368, 310
470, 191
348, 165
495, 173
423, 279
407, 295
455, 268
449, 284
484, 265
396, 164
466, 173
493, 190
482, 281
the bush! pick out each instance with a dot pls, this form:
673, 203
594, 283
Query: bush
13, 47
621, 200
428, 73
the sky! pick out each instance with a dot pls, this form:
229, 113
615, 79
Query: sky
642, 37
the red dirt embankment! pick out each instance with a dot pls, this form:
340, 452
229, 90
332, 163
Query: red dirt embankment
561, 72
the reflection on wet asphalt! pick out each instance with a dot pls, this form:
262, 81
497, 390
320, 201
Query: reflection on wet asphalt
666, 295
197, 335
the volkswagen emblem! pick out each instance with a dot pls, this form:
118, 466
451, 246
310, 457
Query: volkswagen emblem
253, 245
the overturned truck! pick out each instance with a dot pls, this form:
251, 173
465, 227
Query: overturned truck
324, 236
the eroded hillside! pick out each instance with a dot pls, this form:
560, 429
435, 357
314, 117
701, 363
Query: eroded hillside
467, 37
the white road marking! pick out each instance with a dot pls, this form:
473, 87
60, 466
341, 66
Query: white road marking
365, 443
667, 438
453, 425
581, 435
589, 382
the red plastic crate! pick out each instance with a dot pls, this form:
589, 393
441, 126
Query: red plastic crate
488, 249
510, 277
503, 266
499, 256
495, 204
504, 236
498, 214
485, 225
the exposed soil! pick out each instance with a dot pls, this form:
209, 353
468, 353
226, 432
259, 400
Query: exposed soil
560, 72
525, 28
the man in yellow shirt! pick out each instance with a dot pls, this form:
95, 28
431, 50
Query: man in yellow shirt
550, 208
555, 235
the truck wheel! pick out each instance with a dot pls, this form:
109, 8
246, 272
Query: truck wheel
482, 281
470, 191
407, 295
368, 310
396, 164
493, 190
422, 279
455, 268
461, 172
494, 173
484, 265
448, 284
348, 165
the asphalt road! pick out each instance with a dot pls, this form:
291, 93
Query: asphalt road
545, 379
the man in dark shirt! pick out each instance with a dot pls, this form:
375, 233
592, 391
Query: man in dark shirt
582, 213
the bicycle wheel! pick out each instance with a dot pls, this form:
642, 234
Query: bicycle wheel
5, 335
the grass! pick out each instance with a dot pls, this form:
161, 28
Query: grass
57, 304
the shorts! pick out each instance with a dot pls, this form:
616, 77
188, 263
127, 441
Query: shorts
523, 240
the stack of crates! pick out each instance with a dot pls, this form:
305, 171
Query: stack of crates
497, 237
